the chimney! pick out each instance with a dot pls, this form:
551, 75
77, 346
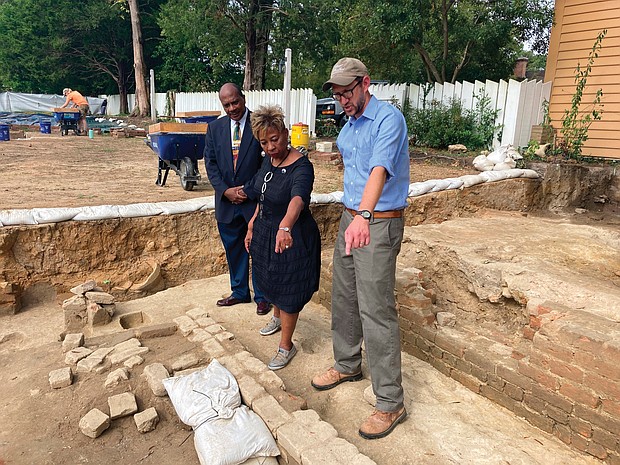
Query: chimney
520, 67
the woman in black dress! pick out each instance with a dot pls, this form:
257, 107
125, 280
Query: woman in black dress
283, 238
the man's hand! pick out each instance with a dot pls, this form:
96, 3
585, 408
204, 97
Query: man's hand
235, 195
357, 234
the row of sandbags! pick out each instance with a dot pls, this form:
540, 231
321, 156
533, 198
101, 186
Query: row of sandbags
100, 212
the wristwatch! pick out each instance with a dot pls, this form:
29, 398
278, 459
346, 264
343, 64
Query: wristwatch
285, 229
366, 214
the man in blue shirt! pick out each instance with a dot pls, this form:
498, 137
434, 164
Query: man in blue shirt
374, 148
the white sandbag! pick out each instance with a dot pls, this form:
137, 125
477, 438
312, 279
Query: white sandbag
54, 215
322, 198
471, 180
135, 210
225, 433
99, 212
420, 188
498, 155
479, 159
208, 203
338, 195
440, 185
454, 183
483, 164
530, 174
490, 176
514, 173
16, 217
508, 164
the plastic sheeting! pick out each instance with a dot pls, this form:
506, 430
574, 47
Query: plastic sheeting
16, 102
101, 212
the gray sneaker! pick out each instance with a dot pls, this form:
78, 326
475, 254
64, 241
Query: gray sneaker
282, 357
273, 326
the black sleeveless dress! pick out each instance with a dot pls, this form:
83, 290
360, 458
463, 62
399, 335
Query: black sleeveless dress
287, 279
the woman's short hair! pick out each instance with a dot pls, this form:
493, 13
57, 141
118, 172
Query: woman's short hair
65, 91
265, 118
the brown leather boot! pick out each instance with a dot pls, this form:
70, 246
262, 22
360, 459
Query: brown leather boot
380, 424
332, 378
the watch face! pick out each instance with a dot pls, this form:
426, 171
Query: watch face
365, 214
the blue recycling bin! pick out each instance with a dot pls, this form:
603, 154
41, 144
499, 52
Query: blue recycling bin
45, 127
4, 132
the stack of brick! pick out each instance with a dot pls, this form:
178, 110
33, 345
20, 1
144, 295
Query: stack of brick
563, 376
127, 132
10, 298
325, 155
89, 307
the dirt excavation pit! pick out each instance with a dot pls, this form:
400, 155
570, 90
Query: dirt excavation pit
486, 252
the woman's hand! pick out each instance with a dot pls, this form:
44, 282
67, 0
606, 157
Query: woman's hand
248, 239
284, 241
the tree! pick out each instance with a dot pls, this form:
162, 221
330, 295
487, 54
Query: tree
448, 36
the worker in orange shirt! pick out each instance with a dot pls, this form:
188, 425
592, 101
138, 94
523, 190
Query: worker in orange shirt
79, 101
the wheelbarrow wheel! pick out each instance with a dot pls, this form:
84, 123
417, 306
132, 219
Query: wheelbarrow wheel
186, 170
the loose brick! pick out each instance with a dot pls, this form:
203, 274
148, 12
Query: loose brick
94, 423
71, 341
154, 375
122, 405
153, 331
580, 395
250, 390
60, 378
147, 420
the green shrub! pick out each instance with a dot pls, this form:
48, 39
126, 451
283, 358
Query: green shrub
441, 125
326, 128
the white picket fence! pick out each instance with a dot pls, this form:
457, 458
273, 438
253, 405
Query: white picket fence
519, 104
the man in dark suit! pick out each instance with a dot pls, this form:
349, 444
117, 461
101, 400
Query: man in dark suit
232, 157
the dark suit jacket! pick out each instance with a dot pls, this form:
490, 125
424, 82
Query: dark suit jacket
219, 164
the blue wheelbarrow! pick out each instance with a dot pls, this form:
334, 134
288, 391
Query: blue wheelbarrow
68, 119
178, 146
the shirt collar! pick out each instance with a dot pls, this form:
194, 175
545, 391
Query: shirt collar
241, 121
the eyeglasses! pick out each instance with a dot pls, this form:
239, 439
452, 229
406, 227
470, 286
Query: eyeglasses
347, 93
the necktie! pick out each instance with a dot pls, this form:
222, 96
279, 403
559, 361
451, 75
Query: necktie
236, 142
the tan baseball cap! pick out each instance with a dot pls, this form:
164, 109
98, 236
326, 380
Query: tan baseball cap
345, 71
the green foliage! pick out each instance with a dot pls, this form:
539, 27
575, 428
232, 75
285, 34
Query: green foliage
576, 122
326, 127
441, 125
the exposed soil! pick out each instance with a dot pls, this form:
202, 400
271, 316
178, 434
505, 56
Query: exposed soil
71, 171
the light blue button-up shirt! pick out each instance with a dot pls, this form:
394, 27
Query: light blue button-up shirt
377, 138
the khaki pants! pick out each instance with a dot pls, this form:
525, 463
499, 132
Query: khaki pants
364, 309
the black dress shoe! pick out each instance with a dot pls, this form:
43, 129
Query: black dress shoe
230, 300
262, 308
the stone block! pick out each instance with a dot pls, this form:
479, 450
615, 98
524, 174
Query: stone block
75, 313
250, 363
196, 313
224, 336
250, 390
115, 377
61, 378
185, 324
205, 321
77, 354
97, 315
302, 435
83, 288
446, 319
186, 361
199, 335
270, 380
99, 297
120, 357
154, 375
147, 420
271, 412
335, 450
122, 405
213, 329
159, 330
72, 341
94, 423
133, 361
213, 348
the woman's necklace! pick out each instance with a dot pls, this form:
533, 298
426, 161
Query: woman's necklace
266, 179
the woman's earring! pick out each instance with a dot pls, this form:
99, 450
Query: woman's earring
262, 153
288, 147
